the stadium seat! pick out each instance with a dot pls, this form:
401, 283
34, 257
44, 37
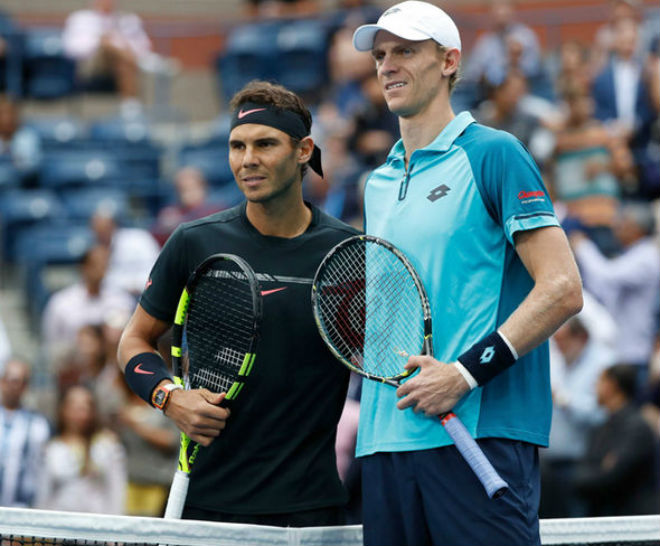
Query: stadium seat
21, 209
9, 175
246, 58
57, 130
11, 76
48, 72
81, 203
79, 167
210, 157
120, 130
40, 249
301, 56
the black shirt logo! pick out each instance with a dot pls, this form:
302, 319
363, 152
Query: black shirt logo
437, 193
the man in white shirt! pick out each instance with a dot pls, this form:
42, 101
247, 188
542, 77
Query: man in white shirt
83, 303
133, 252
628, 285
23, 435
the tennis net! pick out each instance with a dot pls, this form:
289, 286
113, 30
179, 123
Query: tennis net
25, 527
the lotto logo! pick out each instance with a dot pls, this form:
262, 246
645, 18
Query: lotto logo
487, 355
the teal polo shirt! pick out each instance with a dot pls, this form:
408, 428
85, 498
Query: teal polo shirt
454, 213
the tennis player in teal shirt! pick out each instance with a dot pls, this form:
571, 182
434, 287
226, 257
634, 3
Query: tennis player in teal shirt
467, 205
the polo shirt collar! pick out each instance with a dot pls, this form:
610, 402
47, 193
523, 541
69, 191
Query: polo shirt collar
445, 139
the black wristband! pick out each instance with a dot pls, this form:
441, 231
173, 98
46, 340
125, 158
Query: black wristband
143, 373
487, 358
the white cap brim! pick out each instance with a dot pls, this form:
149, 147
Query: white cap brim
364, 36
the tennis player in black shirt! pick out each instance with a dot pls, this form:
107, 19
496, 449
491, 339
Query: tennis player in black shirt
270, 460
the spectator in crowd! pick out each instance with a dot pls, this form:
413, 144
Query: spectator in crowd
152, 446
574, 69
83, 303
85, 464
192, 203
110, 44
85, 359
581, 349
583, 178
338, 192
20, 144
23, 435
619, 473
132, 251
347, 68
628, 285
510, 44
605, 38
648, 157
502, 110
376, 129
620, 91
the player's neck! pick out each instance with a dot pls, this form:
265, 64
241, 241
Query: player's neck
287, 218
420, 130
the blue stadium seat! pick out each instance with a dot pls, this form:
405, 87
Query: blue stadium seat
80, 167
301, 56
21, 209
42, 247
57, 130
9, 175
81, 203
11, 66
48, 72
248, 55
119, 130
211, 158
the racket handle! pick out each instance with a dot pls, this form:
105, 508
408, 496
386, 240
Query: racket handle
494, 485
178, 493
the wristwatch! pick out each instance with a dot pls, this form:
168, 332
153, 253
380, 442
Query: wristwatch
161, 395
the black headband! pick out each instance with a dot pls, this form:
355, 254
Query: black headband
286, 121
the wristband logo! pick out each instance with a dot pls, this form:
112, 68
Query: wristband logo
487, 355
140, 369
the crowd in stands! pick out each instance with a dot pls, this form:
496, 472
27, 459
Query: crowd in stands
588, 111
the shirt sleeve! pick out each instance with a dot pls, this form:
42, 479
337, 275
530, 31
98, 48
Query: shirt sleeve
511, 186
167, 279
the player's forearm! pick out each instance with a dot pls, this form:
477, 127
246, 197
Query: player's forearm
141, 335
550, 303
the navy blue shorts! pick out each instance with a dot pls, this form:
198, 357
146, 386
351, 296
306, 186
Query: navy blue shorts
432, 496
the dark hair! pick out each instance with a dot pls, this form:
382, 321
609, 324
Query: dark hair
625, 377
261, 92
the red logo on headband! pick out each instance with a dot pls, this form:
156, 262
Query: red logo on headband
244, 113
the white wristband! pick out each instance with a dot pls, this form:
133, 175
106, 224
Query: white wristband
466, 375
509, 345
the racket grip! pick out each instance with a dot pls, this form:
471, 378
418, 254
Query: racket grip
494, 485
178, 493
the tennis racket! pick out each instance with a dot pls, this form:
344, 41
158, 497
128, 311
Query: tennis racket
218, 316
373, 313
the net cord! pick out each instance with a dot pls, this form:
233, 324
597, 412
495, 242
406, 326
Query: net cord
107, 528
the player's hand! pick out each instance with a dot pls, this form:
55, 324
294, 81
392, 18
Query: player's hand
198, 413
435, 389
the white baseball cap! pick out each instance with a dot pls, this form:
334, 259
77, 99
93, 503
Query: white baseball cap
411, 20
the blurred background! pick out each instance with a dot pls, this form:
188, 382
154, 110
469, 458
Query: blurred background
113, 130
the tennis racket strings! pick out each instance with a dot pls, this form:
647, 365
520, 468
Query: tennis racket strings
371, 309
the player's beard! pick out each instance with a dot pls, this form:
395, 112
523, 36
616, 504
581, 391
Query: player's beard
274, 194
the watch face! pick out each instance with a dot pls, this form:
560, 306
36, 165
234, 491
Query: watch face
159, 397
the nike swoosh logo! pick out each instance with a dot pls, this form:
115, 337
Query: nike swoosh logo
138, 369
244, 113
267, 292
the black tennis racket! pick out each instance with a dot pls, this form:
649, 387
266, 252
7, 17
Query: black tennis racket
218, 317
373, 313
